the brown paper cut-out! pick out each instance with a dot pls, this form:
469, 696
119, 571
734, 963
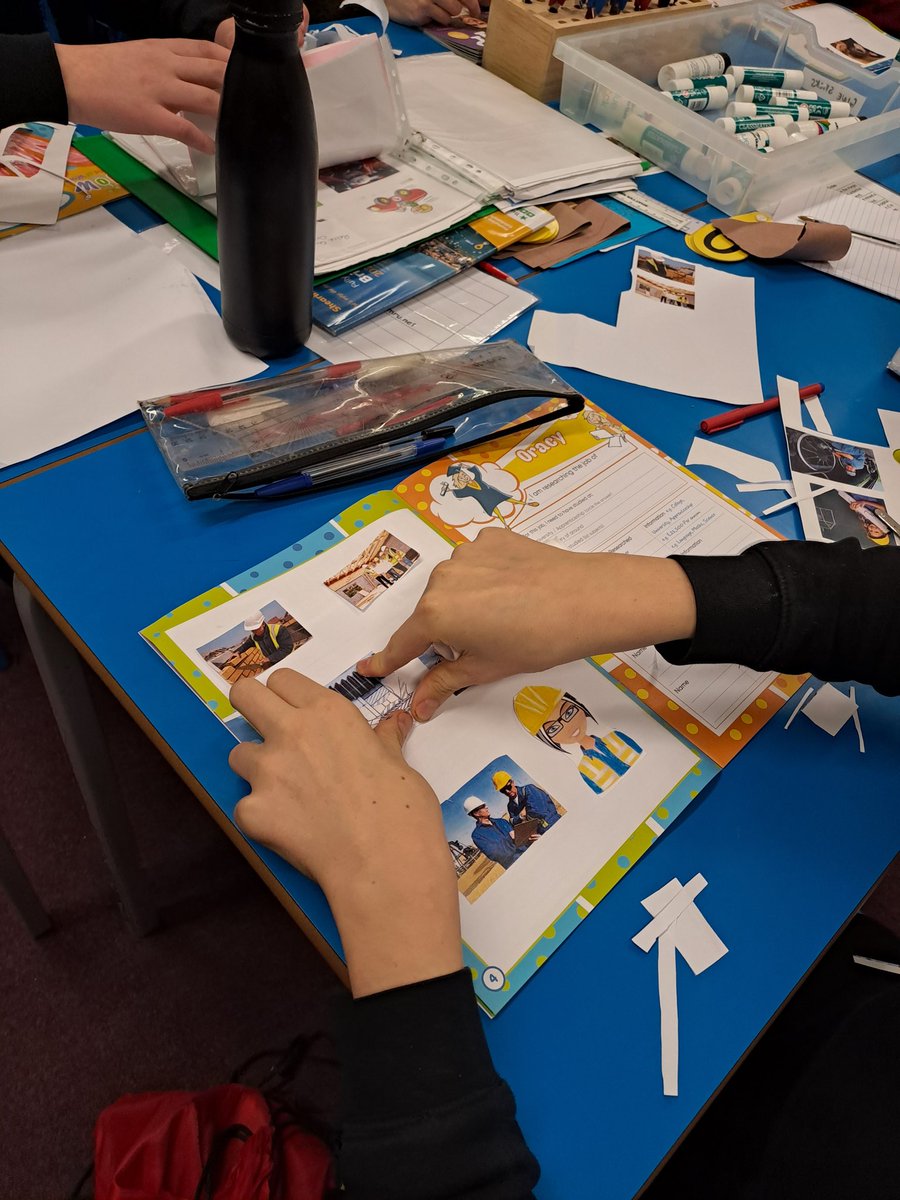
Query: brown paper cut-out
814, 241
581, 227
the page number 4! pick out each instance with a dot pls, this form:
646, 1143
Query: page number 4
493, 979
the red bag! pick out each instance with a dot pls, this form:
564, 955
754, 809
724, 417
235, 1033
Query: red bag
227, 1143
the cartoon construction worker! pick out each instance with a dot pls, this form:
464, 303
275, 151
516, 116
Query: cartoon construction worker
465, 479
270, 638
525, 801
558, 720
602, 432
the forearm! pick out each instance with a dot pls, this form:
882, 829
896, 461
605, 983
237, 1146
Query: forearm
829, 609
32, 84
425, 1115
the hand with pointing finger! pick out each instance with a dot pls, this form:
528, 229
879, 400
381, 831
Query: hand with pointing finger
336, 799
507, 605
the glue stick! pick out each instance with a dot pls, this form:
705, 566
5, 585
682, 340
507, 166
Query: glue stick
811, 129
761, 139
700, 98
663, 148
694, 68
766, 95
742, 109
748, 124
766, 76
685, 84
826, 108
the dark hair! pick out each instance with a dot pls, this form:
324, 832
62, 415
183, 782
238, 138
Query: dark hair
548, 741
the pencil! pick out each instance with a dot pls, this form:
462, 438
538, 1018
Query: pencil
497, 273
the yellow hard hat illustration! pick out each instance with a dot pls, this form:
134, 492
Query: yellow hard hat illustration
500, 779
535, 705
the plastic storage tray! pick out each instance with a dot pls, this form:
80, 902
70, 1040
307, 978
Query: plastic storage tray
609, 80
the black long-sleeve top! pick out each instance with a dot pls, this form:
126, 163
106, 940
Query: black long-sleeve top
426, 1117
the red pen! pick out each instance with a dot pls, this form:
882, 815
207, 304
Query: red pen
489, 269
195, 402
737, 416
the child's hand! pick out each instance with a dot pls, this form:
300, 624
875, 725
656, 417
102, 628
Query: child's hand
429, 12
336, 799
505, 604
143, 86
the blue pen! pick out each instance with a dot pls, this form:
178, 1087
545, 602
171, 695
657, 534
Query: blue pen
350, 466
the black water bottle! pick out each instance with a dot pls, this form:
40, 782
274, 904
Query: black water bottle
266, 175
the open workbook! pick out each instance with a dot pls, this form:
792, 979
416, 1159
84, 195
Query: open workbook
409, 149
602, 754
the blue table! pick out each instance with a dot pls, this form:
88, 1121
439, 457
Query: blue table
791, 836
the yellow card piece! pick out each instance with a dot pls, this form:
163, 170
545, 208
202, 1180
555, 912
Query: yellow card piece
502, 229
547, 234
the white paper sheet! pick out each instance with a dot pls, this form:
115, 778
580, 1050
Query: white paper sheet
197, 261
830, 709
749, 467
464, 311
92, 320
861, 205
770, 485
706, 350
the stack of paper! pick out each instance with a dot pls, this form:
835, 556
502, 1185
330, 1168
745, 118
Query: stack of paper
534, 150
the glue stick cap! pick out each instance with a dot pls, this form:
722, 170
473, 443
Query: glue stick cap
805, 129
694, 68
698, 164
727, 192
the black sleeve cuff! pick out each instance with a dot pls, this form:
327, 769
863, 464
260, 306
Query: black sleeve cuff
738, 610
32, 86
413, 1047
827, 608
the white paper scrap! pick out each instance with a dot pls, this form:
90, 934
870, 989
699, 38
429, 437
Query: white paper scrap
797, 707
771, 485
669, 914
830, 709
816, 414
707, 453
859, 732
32, 194
891, 424
877, 964
76, 357
668, 1013
695, 939
719, 310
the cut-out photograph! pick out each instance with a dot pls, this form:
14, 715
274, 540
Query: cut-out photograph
264, 638
494, 819
383, 563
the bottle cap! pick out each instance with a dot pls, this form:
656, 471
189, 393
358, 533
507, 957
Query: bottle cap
274, 16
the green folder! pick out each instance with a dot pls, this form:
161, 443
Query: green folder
182, 213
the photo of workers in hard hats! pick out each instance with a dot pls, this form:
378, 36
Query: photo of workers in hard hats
480, 494
383, 563
562, 722
265, 637
495, 818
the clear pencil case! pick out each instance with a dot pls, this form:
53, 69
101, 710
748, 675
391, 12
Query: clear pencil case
321, 427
